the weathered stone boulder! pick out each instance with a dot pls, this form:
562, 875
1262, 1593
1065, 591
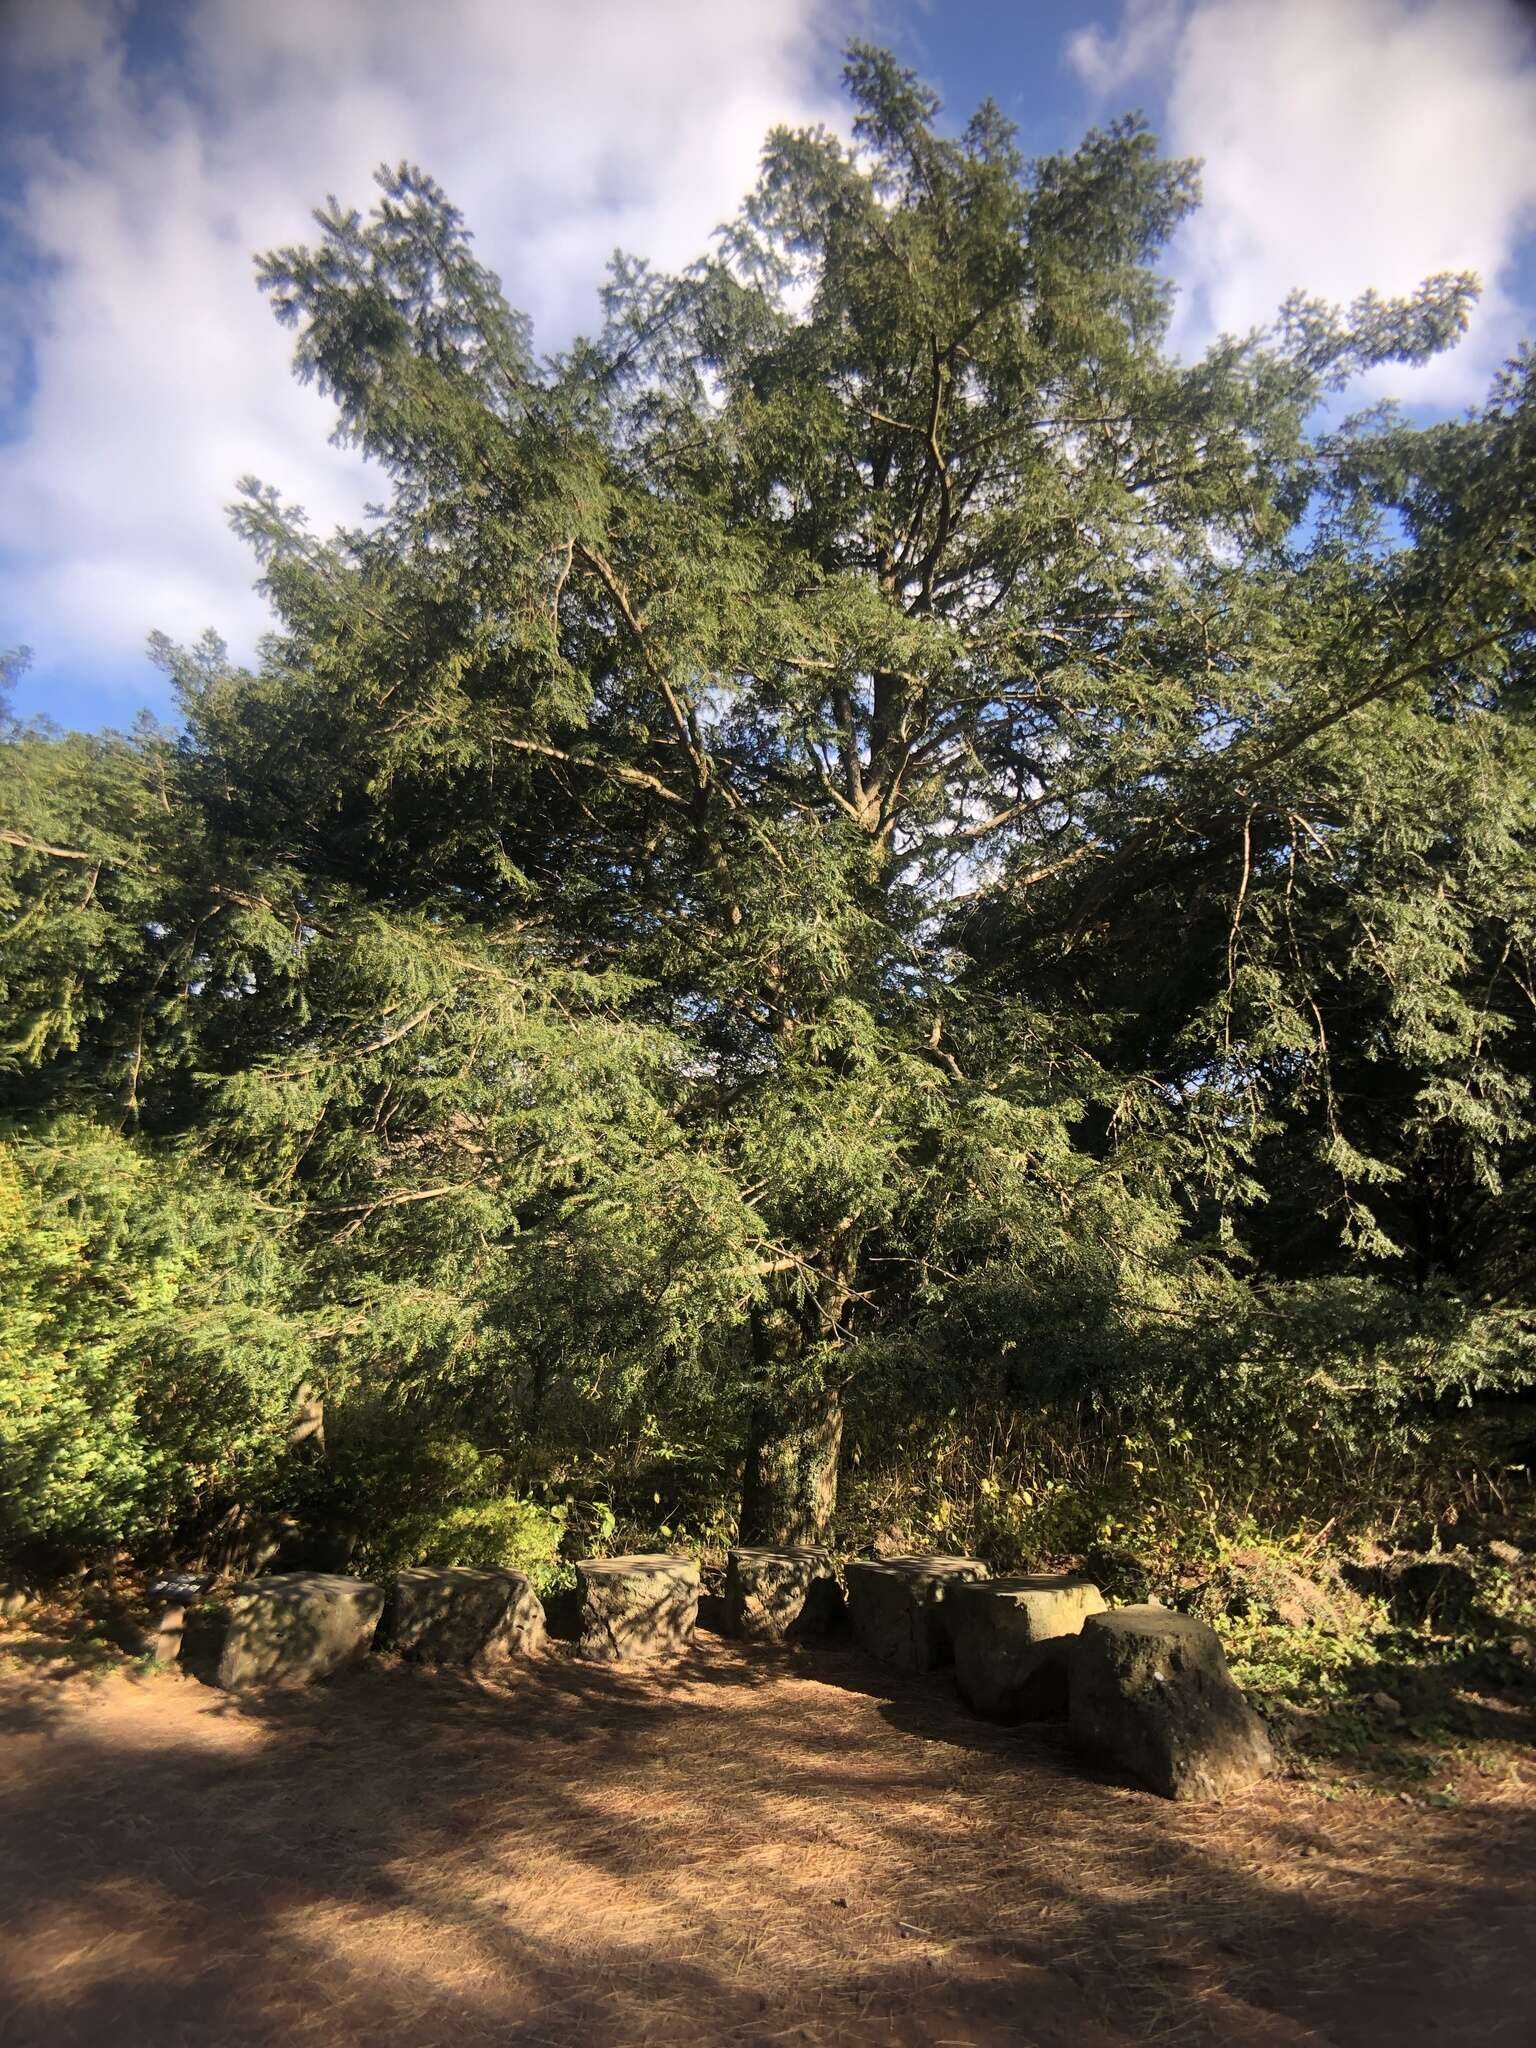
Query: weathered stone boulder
1150, 1689
1012, 1638
1259, 1586
777, 1596
635, 1610
456, 1614
295, 1627
1436, 1592
900, 1607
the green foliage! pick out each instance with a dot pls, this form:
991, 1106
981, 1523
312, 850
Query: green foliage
403, 1496
1387, 1706
863, 837
1032, 1485
148, 1358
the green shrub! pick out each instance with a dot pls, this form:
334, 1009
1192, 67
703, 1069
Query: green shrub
1028, 1487
398, 1493
503, 1530
147, 1358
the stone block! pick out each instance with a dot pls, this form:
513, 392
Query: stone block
295, 1627
457, 1614
900, 1606
1150, 1690
636, 1610
170, 1599
777, 1596
1257, 1585
1012, 1638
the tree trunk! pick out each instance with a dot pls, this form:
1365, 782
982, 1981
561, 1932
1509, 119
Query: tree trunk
789, 1486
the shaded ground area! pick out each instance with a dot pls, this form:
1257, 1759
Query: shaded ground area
755, 1848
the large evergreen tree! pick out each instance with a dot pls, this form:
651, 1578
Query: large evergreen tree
867, 808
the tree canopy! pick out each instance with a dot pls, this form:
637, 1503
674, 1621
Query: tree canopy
866, 826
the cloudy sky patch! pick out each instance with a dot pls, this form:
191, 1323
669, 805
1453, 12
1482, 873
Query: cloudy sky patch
151, 146
155, 374
1346, 143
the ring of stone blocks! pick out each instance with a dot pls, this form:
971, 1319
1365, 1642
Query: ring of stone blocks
768, 1587
638, 1608
1012, 1640
900, 1606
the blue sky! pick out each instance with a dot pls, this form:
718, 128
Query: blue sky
148, 147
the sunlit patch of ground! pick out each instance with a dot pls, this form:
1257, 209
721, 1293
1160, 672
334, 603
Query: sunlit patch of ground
749, 1849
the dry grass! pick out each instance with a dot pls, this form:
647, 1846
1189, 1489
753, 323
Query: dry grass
749, 1849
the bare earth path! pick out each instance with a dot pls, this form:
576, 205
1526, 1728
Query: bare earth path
752, 1849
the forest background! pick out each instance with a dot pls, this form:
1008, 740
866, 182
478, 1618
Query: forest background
868, 908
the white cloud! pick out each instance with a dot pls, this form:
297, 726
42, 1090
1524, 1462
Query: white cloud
1107, 62
562, 128
1347, 144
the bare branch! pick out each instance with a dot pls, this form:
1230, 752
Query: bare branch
687, 729
619, 773
55, 852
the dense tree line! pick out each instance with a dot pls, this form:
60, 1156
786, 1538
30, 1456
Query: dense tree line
864, 837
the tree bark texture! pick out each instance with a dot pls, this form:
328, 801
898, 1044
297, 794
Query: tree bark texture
789, 1486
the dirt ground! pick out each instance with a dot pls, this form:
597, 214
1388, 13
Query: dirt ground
753, 1848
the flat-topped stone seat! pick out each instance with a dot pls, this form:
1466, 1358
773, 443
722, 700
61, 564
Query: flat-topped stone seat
780, 1595
1151, 1690
461, 1614
295, 1627
169, 1600
900, 1606
1012, 1638
637, 1609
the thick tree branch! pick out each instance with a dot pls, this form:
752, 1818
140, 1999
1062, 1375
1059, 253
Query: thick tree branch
619, 773
30, 845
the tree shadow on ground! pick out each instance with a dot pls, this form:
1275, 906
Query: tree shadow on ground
746, 1847
1410, 1716
41, 1656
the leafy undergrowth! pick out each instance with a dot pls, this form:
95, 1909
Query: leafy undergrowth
1429, 1717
